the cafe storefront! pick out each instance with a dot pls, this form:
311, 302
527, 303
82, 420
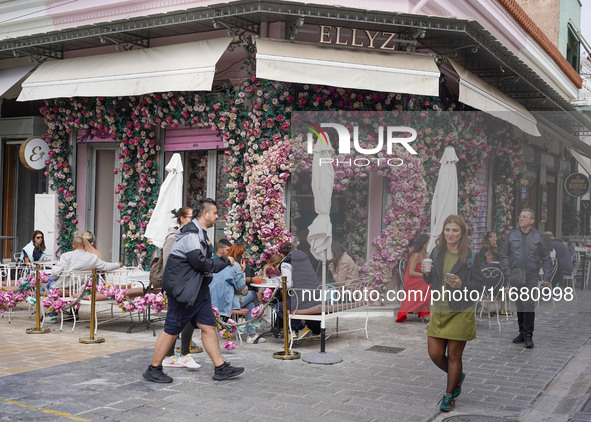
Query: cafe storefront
229, 116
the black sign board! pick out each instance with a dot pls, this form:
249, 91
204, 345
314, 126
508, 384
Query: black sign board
576, 184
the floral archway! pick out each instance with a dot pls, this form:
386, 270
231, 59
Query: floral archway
254, 122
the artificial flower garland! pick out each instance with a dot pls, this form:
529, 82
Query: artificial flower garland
52, 300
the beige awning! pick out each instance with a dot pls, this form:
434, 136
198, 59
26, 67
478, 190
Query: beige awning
552, 131
180, 67
483, 96
9, 77
584, 162
347, 68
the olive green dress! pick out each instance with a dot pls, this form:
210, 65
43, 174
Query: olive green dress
446, 323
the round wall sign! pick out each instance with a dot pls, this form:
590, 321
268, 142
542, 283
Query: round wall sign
33, 153
576, 184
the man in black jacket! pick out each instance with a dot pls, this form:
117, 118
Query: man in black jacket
525, 252
186, 282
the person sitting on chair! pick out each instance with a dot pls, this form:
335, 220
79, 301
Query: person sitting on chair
79, 260
491, 279
564, 258
300, 274
342, 266
34, 251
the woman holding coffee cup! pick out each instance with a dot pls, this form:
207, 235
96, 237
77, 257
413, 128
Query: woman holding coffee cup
452, 277
420, 298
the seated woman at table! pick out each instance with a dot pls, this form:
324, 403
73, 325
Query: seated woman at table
271, 268
89, 248
89, 245
34, 251
228, 290
342, 266
300, 275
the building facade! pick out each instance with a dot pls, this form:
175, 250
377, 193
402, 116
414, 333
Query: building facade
220, 83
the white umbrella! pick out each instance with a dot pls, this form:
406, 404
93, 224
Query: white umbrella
170, 197
320, 231
445, 197
320, 235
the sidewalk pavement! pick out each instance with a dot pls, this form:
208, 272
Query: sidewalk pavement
384, 378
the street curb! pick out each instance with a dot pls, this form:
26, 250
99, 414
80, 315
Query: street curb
567, 393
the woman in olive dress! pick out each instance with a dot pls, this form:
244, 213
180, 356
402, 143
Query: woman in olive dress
452, 315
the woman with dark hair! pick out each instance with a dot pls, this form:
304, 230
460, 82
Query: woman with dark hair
34, 251
452, 323
183, 216
342, 267
488, 241
417, 294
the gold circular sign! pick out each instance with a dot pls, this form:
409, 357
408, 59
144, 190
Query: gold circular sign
33, 153
576, 184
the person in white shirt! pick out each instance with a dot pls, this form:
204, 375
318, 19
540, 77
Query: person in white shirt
79, 260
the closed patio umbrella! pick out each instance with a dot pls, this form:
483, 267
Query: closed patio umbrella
445, 197
320, 236
170, 197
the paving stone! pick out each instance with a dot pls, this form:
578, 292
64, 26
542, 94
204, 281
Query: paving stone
368, 386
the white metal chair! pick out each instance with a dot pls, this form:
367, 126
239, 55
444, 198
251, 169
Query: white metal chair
570, 280
497, 279
553, 270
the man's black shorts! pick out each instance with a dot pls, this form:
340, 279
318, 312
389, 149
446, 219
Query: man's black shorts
179, 314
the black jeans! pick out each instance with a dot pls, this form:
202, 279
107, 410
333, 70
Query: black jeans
526, 314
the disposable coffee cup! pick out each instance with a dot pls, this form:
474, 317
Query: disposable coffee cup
427, 265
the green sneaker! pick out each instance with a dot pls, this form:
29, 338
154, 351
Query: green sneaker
458, 389
447, 403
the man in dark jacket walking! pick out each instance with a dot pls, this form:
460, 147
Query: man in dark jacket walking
525, 252
186, 282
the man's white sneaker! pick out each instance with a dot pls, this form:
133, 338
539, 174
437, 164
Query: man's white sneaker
251, 339
172, 362
188, 361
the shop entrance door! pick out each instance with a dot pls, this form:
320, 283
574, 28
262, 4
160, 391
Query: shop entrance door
204, 177
102, 207
19, 186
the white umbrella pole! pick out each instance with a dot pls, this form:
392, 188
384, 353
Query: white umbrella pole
323, 306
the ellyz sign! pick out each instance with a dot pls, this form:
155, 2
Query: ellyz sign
338, 35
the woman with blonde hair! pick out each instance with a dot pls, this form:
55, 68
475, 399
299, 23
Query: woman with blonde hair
271, 268
453, 277
89, 240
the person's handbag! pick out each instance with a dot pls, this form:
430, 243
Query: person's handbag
241, 292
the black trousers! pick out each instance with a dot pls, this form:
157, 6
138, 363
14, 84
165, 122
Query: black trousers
526, 314
526, 322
